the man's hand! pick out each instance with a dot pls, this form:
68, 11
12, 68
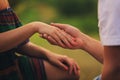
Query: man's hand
68, 29
76, 42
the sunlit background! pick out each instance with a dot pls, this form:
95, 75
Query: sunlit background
79, 13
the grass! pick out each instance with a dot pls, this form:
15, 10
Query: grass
89, 67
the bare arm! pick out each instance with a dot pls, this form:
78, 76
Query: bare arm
92, 46
12, 38
61, 61
111, 68
33, 50
110, 54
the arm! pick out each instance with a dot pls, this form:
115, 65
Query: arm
33, 50
61, 61
93, 47
84, 42
12, 38
111, 54
111, 68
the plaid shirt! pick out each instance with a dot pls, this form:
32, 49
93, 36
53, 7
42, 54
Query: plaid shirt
13, 67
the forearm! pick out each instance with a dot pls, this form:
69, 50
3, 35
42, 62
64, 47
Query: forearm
93, 47
12, 38
33, 50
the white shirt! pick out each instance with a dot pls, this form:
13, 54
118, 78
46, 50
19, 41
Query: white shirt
109, 22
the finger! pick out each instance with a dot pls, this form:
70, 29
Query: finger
66, 61
70, 64
45, 36
68, 40
75, 70
61, 26
61, 65
51, 40
71, 42
48, 38
70, 69
64, 39
77, 66
58, 39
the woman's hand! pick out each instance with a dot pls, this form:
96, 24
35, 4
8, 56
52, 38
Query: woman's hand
58, 35
64, 63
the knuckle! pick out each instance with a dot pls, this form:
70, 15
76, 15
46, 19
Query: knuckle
65, 56
52, 32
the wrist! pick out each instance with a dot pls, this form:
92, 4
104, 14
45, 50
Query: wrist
39, 26
83, 41
88, 42
34, 26
46, 53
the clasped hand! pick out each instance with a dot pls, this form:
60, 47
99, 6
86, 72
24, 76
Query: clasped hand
66, 36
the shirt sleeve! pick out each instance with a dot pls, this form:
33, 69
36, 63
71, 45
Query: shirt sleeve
109, 23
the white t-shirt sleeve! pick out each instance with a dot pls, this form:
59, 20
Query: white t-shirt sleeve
109, 22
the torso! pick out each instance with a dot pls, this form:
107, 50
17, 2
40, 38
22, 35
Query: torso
4, 4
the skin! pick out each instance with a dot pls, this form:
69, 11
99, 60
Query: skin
34, 27
82, 41
108, 55
4, 4
51, 60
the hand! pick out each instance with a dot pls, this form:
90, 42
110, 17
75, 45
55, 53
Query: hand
64, 63
55, 33
67, 28
72, 31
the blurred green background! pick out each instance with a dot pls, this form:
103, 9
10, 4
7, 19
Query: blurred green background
79, 13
